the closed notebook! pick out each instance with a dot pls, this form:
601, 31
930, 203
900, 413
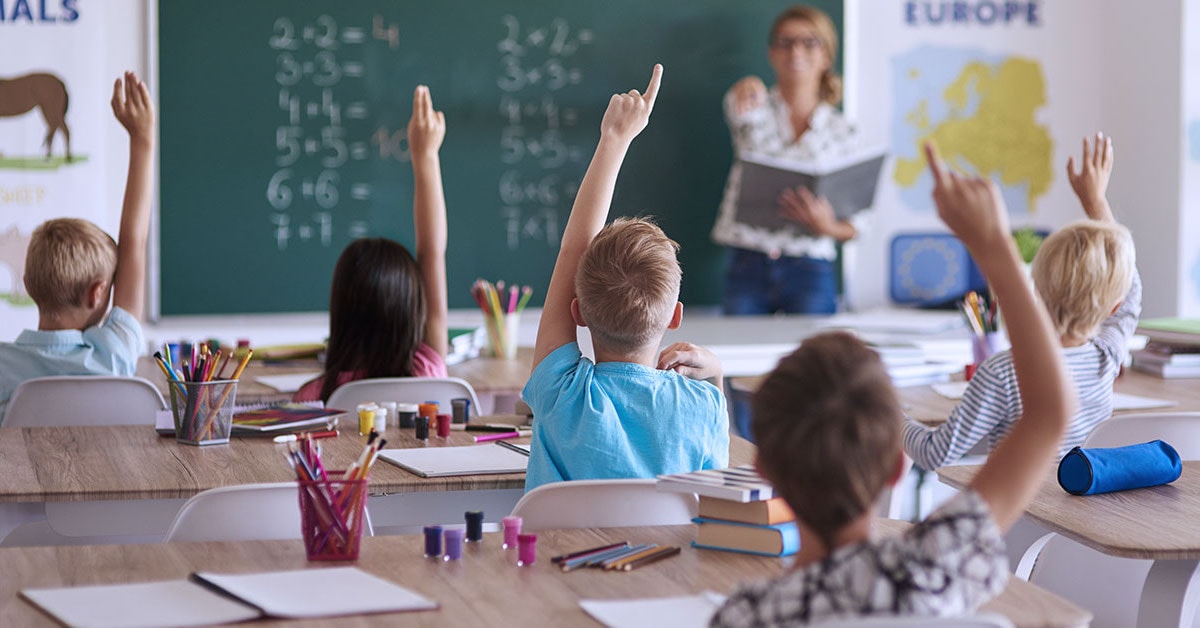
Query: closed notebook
433, 462
764, 512
781, 539
739, 484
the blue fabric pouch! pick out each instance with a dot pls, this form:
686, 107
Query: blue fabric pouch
1107, 469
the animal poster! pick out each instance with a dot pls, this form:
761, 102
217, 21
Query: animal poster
54, 108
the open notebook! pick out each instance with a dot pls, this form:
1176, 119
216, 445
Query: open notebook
433, 462
211, 598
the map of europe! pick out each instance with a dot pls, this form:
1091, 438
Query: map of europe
980, 109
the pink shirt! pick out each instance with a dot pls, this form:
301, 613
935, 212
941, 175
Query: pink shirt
426, 363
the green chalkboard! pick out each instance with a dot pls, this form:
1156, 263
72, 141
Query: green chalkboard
282, 126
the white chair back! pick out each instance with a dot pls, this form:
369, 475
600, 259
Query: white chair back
405, 390
247, 512
603, 504
979, 620
1180, 429
83, 400
1108, 586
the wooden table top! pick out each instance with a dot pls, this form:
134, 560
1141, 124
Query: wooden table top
486, 588
133, 462
930, 408
1156, 523
486, 375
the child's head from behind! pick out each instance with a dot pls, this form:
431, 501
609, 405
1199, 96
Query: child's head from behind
1081, 272
628, 284
827, 424
376, 309
67, 258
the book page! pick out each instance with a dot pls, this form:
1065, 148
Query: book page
684, 611
147, 604
318, 592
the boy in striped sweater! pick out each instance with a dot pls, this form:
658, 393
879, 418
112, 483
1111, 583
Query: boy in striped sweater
1085, 276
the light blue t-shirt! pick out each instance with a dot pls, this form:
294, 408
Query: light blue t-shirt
620, 420
110, 348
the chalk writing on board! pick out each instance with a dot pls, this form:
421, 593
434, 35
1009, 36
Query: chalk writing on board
543, 167
310, 187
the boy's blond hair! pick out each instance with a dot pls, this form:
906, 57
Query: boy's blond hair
828, 427
627, 284
66, 256
1081, 272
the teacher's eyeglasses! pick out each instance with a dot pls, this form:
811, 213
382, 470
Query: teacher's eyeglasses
788, 43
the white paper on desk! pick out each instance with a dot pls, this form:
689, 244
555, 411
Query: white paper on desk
1121, 401
147, 604
682, 612
433, 462
287, 383
318, 592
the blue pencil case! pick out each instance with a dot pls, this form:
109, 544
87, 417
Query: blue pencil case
1107, 469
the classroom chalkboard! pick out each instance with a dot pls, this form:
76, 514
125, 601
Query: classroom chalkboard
283, 134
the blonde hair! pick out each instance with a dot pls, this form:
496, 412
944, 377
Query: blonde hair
66, 256
831, 83
1081, 272
628, 284
828, 426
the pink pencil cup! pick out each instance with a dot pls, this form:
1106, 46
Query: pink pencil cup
332, 514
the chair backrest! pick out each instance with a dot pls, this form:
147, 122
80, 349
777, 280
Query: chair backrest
248, 512
980, 620
1180, 429
83, 400
603, 504
405, 390
1108, 586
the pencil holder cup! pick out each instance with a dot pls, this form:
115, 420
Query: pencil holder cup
332, 514
502, 336
203, 411
982, 347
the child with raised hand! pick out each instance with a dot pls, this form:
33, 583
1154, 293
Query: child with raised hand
619, 417
1087, 280
387, 309
73, 267
828, 430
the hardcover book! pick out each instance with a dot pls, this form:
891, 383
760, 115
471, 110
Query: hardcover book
781, 539
848, 184
764, 512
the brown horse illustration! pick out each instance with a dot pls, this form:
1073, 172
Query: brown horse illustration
45, 91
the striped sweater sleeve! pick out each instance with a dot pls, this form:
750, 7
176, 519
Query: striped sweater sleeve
989, 405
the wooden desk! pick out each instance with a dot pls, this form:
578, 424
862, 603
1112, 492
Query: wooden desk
490, 377
133, 462
484, 589
1157, 523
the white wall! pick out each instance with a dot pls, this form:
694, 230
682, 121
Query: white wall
1190, 207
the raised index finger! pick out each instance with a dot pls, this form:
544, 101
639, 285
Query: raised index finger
935, 164
652, 89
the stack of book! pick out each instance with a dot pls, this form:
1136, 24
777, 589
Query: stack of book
1173, 349
908, 366
466, 343
738, 511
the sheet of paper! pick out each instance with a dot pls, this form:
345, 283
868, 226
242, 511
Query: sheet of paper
319, 592
147, 604
484, 458
287, 383
682, 612
1121, 401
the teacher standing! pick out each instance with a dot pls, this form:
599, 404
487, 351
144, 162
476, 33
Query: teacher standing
789, 269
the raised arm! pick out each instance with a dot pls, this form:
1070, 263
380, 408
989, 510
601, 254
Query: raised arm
626, 116
133, 108
426, 130
1091, 181
974, 211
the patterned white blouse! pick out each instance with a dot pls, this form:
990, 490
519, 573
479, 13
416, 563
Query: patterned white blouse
767, 130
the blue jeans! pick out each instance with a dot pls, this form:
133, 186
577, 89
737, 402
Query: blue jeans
757, 284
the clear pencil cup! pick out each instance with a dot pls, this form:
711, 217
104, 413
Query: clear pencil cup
332, 516
502, 336
203, 411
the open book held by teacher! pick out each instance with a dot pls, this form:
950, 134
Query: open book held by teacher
848, 183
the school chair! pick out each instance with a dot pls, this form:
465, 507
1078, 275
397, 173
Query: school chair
979, 620
80, 400
246, 512
403, 389
1113, 585
68, 400
603, 504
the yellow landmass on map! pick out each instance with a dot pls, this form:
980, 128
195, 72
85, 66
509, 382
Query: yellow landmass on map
1000, 138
